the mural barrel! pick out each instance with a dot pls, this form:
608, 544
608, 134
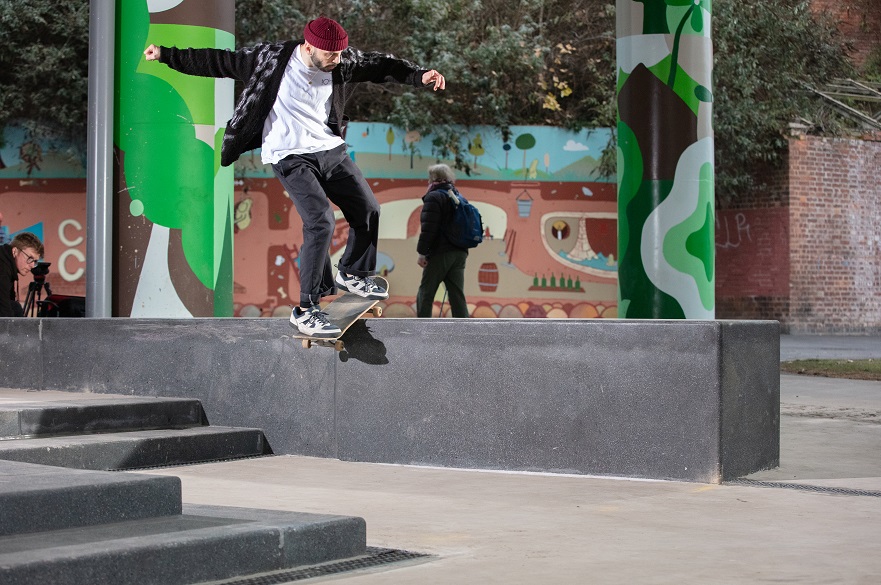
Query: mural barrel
488, 277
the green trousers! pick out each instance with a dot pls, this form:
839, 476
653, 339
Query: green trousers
447, 268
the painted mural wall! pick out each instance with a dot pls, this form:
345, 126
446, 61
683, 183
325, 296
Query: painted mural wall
550, 239
550, 224
43, 191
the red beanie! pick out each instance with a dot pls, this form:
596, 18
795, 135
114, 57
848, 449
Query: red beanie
326, 34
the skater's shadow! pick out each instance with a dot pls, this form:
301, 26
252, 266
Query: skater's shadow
362, 346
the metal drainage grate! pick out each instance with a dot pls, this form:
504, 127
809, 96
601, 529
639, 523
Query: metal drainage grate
805, 488
186, 463
374, 557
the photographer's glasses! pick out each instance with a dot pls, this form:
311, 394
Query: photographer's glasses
31, 261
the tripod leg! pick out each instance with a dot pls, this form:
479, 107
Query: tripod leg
29, 301
35, 290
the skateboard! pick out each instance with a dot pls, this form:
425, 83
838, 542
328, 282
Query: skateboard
343, 312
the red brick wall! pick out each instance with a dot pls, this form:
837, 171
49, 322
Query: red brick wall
860, 23
835, 235
752, 251
805, 248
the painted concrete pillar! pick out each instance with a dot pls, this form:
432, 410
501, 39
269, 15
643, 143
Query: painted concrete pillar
173, 240
666, 215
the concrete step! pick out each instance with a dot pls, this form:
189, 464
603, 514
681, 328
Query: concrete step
38, 498
54, 414
205, 543
135, 449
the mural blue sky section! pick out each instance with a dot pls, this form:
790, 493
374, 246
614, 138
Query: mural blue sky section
557, 155
384, 152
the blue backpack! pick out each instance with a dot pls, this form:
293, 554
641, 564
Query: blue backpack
465, 229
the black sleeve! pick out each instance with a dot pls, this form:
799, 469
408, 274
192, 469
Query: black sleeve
431, 221
6, 291
210, 62
380, 68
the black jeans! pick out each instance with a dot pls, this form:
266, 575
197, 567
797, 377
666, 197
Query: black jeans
314, 181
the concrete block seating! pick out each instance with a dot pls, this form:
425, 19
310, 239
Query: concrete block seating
67, 524
684, 400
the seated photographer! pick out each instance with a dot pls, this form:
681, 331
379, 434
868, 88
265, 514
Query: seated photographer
17, 258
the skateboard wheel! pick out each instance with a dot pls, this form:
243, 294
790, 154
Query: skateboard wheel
377, 311
307, 343
339, 345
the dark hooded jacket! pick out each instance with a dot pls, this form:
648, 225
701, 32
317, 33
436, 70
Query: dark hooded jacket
261, 68
437, 212
9, 306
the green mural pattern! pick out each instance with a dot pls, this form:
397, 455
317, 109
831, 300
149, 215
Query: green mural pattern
173, 177
666, 216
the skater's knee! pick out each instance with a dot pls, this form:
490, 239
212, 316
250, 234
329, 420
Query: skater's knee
320, 227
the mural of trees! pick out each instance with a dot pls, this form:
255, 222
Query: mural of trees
390, 140
524, 142
476, 148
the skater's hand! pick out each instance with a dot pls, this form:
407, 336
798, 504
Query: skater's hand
422, 261
435, 78
152, 53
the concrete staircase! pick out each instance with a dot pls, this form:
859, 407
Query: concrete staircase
65, 521
117, 432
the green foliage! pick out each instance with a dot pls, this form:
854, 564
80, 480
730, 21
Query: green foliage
271, 20
506, 62
44, 66
872, 66
764, 51
855, 369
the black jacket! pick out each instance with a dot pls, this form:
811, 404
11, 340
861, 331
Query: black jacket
262, 68
9, 306
437, 211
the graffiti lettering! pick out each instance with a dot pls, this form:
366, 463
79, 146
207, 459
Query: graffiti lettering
732, 237
61, 235
71, 251
62, 265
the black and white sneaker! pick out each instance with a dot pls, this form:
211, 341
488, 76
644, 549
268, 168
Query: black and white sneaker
363, 286
313, 322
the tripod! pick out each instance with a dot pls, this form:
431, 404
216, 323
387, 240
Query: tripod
35, 293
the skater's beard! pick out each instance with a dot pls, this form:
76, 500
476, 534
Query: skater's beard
318, 64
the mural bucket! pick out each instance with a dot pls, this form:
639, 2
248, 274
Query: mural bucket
488, 277
524, 204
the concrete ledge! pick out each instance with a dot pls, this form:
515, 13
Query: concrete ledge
687, 400
37, 498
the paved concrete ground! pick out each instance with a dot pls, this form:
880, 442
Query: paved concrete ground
800, 347
491, 527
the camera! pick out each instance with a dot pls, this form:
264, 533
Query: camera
41, 269
35, 288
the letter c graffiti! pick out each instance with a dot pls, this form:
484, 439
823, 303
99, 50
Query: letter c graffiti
62, 267
71, 251
63, 238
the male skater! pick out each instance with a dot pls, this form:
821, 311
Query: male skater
292, 108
